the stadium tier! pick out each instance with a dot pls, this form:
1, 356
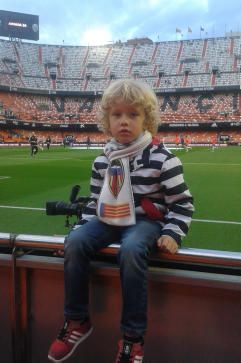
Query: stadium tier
197, 82
212, 62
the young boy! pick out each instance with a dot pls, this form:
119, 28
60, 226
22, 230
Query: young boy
139, 198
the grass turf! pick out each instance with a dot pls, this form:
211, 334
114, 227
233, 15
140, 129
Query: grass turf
213, 177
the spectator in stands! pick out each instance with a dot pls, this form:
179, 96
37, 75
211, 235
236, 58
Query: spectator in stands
143, 202
33, 144
48, 142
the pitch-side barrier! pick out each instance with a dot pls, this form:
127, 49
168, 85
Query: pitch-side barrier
194, 303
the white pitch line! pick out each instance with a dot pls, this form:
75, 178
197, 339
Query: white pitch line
14, 207
36, 158
215, 221
194, 220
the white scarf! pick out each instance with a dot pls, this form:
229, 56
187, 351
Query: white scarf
116, 203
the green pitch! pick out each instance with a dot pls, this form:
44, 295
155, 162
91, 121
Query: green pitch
214, 179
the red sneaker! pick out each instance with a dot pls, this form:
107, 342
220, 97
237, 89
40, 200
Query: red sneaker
70, 336
130, 352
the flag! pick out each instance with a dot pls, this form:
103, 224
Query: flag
189, 30
178, 30
201, 29
114, 211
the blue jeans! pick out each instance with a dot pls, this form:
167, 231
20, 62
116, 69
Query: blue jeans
136, 242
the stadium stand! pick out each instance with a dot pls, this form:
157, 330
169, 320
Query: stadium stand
32, 65
197, 81
174, 108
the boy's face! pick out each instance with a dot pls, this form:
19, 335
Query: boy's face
126, 121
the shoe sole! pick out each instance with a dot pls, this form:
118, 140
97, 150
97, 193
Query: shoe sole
74, 347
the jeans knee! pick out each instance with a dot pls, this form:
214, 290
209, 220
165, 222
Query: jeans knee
74, 245
131, 255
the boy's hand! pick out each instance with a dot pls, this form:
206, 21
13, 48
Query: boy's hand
167, 244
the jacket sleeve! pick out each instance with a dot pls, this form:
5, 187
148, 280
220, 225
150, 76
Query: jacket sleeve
178, 199
99, 167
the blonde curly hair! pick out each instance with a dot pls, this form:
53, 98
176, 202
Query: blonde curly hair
133, 92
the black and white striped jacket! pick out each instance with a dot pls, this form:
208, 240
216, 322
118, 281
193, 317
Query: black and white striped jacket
158, 175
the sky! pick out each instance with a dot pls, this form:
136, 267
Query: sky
101, 22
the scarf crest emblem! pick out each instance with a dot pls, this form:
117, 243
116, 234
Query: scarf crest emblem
116, 177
